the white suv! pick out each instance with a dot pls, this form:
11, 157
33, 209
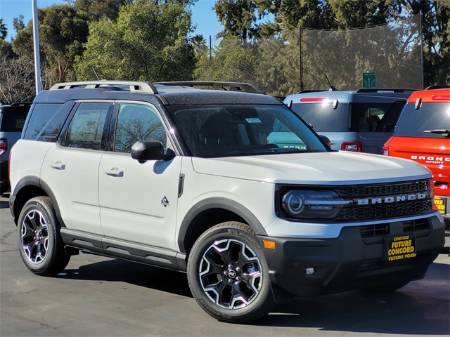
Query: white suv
231, 187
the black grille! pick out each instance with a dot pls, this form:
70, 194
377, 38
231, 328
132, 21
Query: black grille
370, 231
416, 226
361, 191
382, 211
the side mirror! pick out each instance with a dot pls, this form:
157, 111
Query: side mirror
143, 151
325, 140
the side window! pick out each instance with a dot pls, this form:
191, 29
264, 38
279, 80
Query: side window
137, 122
45, 122
86, 130
379, 117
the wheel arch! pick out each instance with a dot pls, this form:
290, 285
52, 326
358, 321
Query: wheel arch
27, 188
210, 212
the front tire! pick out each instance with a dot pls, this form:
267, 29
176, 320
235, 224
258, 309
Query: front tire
39, 241
228, 274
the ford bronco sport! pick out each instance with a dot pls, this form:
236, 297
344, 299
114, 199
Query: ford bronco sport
230, 186
422, 134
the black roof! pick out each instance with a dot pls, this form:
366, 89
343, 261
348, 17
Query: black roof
166, 95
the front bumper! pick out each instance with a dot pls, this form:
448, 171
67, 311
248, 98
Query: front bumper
354, 259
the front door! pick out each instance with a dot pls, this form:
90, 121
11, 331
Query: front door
138, 201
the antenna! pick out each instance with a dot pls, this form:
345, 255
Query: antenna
332, 87
95, 73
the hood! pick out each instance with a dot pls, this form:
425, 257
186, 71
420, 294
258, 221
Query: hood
325, 168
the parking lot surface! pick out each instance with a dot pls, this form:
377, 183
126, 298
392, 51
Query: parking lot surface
98, 296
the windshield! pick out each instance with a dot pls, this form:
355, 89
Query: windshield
239, 130
430, 116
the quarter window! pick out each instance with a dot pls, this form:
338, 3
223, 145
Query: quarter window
138, 122
87, 127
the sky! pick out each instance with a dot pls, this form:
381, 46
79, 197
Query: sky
203, 16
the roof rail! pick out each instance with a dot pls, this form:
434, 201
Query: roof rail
431, 87
233, 86
394, 90
134, 86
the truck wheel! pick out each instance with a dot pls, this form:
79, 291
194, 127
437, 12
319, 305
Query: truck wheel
39, 241
228, 274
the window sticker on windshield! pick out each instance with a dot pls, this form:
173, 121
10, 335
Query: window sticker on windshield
253, 120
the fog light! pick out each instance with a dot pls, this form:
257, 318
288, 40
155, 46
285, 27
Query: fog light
310, 271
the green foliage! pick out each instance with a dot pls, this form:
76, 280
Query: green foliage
3, 30
148, 42
62, 34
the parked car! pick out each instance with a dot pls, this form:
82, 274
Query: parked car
206, 182
423, 135
360, 121
12, 119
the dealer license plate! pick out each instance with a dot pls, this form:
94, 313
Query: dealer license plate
401, 248
440, 204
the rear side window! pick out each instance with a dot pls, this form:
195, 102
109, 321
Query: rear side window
46, 121
323, 117
428, 121
86, 130
12, 119
375, 117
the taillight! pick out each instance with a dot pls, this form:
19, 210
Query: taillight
3, 146
352, 146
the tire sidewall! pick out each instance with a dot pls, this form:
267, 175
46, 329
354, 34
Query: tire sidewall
45, 208
202, 243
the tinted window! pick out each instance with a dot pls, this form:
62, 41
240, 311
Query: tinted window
431, 116
13, 118
236, 130
323, 117
375, 117
45, 122
86, 129
137, 122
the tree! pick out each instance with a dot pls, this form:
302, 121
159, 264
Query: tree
96, 10
148, 42
16, 80
3, 30
240, 17
62, 34
18, 23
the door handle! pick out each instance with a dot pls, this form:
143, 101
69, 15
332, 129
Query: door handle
114, 172
57, 165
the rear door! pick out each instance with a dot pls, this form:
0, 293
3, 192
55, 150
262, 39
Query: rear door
71, 167
374, 123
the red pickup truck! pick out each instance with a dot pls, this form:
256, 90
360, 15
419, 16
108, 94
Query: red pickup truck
423, 134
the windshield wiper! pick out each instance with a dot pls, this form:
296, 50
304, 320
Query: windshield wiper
444, 132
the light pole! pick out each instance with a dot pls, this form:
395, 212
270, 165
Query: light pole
37, 55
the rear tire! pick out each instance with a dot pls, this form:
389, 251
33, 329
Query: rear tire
40, 244
228, 274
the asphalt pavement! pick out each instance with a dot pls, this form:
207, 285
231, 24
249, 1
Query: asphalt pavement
99, 296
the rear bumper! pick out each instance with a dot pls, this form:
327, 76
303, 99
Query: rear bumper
349, 261
4, 180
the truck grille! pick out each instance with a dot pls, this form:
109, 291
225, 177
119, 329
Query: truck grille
384, 210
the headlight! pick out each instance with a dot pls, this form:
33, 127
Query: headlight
312, 204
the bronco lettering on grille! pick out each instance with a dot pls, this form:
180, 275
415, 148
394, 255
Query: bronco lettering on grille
391, 199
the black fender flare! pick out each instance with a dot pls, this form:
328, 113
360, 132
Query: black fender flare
37, 182
223, 203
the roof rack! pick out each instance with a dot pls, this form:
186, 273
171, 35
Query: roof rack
142, 87
233, 86
396, 90
431, 87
